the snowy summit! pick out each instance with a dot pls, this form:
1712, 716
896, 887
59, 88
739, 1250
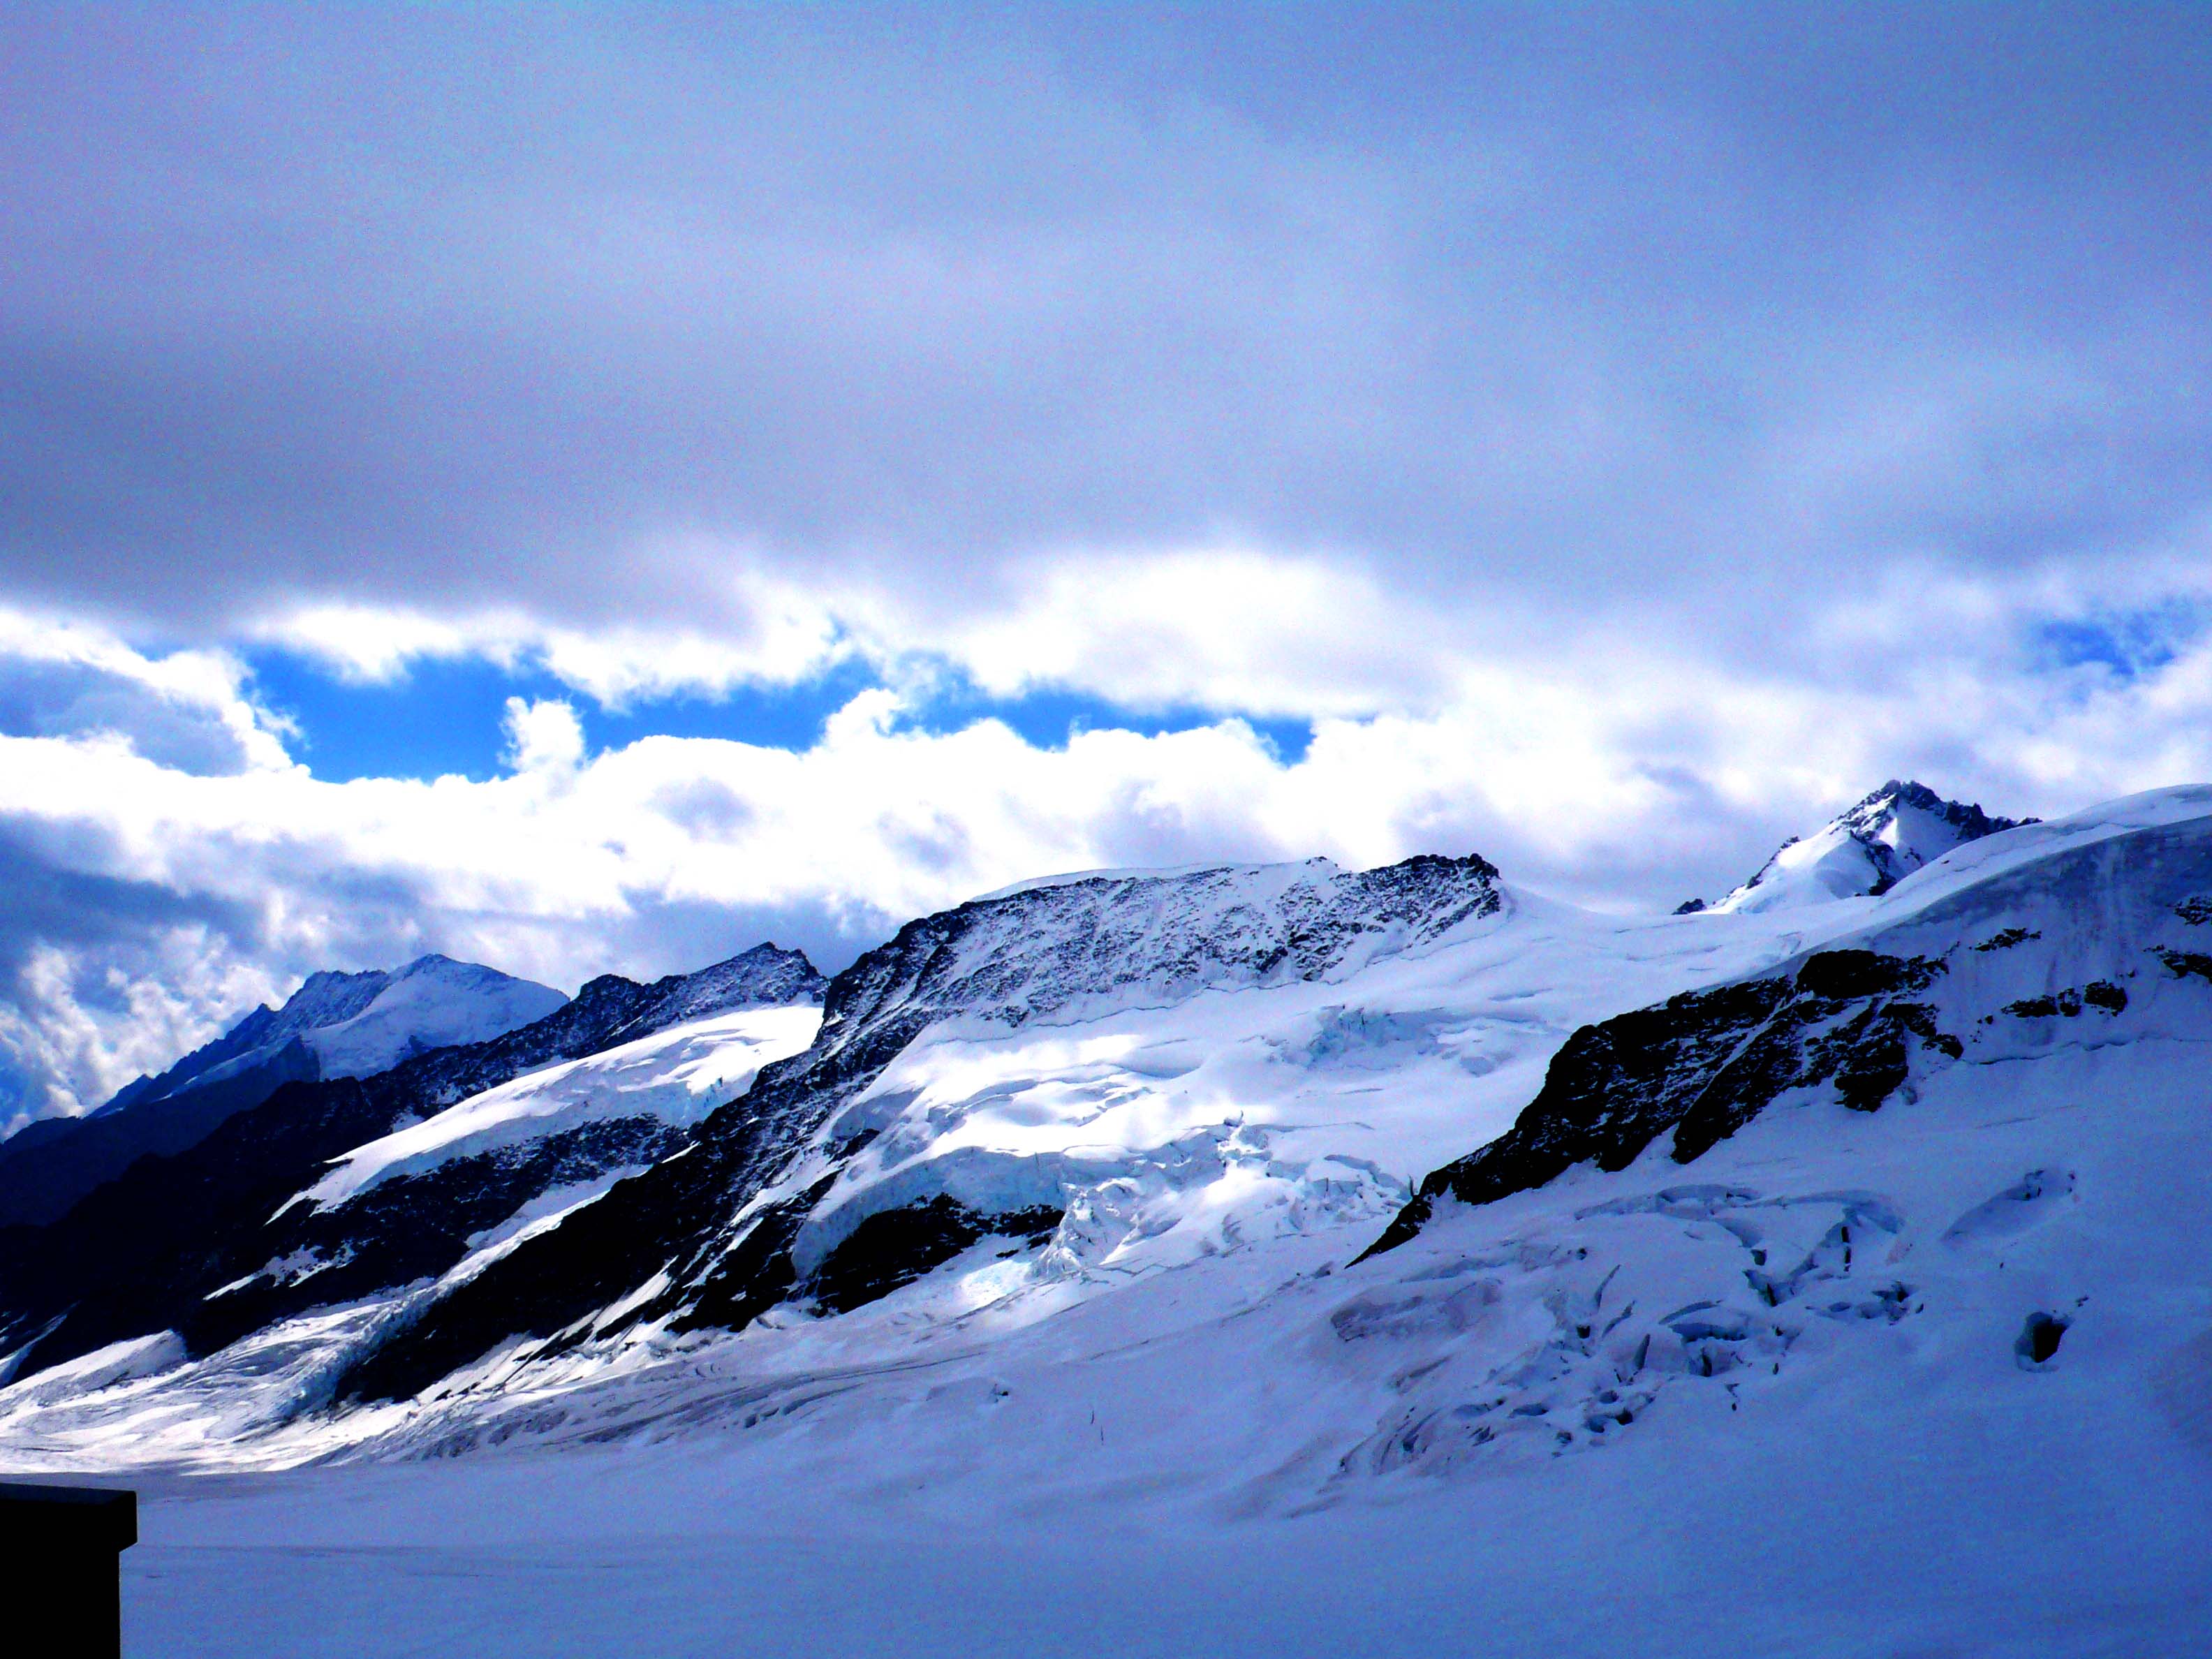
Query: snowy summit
1865, 851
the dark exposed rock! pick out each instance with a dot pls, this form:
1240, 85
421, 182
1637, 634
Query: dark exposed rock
2184, 964
415, 1227
2069, 1002
2004, 939
2196, 910
1702, 1064
2037, 1344
896, 1246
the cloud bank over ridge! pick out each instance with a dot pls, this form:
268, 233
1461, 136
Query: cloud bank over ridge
176, 863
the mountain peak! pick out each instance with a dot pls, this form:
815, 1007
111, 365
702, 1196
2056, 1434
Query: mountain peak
1866, 849
1880, 810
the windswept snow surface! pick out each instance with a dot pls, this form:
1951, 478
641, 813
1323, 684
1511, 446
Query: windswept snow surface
1930, 1379
677, 1076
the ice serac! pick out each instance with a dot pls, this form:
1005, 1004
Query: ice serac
208, 1241
335, 1025
735, 1225
1866, 851
2078, 930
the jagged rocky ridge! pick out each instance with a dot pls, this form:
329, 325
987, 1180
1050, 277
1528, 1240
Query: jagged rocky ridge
154, 1248
707, 1239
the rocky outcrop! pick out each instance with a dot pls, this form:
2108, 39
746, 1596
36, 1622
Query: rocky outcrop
1702, 1065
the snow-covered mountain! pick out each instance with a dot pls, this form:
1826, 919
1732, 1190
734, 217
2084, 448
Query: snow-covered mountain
1866, 850
334, 1026
1080, 1080
1184, 1204
208, 1241
1951, 1140
353, 1024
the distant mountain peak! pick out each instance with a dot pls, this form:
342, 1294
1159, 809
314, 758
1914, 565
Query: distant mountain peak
1884, 808
336, 1024
1868, 848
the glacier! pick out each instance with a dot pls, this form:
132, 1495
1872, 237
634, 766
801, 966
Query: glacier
1250, 1259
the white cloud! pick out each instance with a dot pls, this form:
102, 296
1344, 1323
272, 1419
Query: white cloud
61, 677
1220, 627
762, 629
75, 1025
1226, 628
545, 738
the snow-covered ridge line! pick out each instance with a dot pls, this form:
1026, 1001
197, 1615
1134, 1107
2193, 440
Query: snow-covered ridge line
1133, 873
676, 1076
357, 1023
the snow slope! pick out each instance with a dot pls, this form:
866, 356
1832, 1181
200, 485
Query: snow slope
674, 1077
1127, 1071
1103, 1077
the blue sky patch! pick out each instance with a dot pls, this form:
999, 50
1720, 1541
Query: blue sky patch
444, 717
2129, 643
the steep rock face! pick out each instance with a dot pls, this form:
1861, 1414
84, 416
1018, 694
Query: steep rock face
145, 1251
706, 1239
422, 1201
1702, 1064
1897, 829
335, 1025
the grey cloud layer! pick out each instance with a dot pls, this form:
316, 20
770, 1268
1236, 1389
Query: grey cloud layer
1522, 307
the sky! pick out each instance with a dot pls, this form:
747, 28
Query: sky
589, 489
